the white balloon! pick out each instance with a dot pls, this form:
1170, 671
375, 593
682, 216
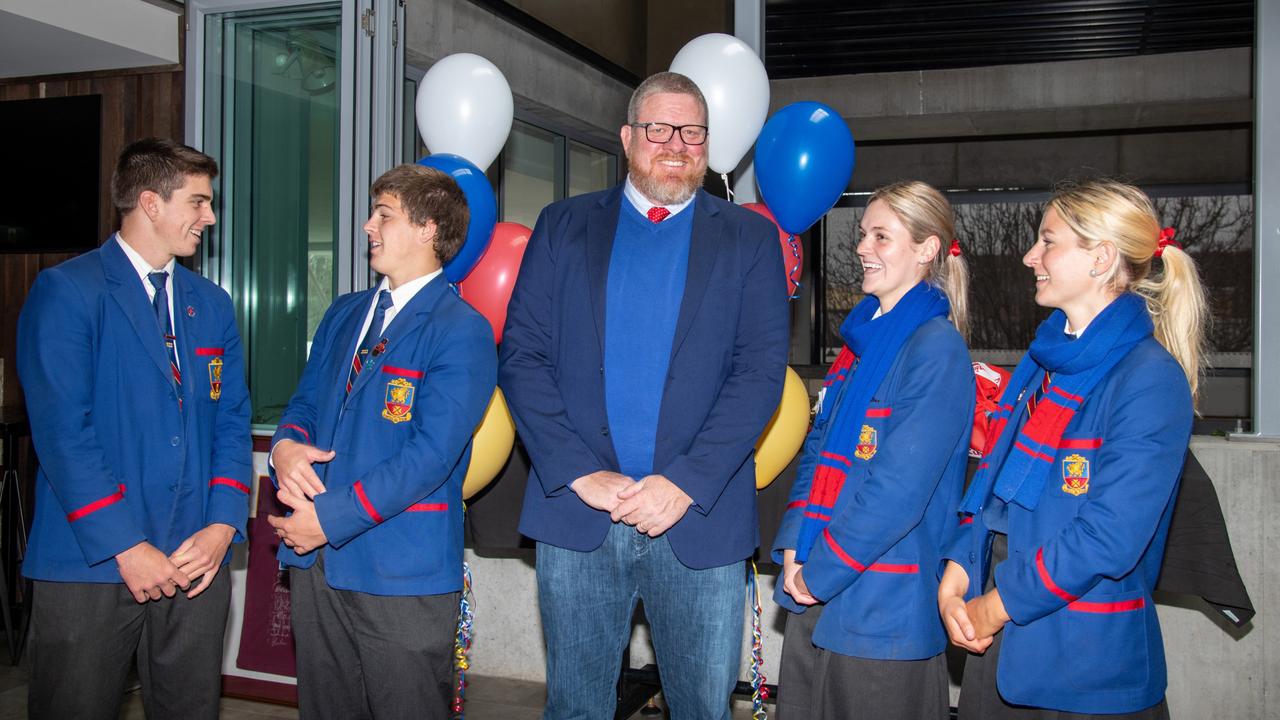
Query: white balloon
464, 107
736, 87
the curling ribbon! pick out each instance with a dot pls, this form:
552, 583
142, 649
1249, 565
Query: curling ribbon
759, 693
793, 271
462, 643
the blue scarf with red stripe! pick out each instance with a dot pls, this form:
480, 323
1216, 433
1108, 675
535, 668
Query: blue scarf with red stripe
1023, 460
871, 346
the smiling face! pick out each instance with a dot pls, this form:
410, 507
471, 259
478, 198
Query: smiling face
667, 173
892, 262
1062, 264
179, 222
397, 248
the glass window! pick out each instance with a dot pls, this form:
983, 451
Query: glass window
272, 122
531, 172
590, 169
1217, 230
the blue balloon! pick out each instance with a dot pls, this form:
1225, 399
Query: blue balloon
481, 203
804, 159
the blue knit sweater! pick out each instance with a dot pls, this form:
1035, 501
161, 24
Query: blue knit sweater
647, 272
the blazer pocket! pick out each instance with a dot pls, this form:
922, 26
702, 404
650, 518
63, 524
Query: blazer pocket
886, 601
1106, 638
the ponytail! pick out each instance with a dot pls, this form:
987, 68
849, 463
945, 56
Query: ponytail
1179, 310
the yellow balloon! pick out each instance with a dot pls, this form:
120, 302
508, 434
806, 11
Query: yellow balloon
491, 445
784, 434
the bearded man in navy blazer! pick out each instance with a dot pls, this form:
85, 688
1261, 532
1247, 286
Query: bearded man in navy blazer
371, 454
134, 379
644, 352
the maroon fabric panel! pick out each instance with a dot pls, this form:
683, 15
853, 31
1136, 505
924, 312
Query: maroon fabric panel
266, 635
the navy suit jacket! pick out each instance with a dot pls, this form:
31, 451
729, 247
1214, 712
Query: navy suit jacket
392, 505
728, 361
119, 463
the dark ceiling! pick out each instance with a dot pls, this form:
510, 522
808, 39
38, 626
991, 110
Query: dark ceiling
807, 38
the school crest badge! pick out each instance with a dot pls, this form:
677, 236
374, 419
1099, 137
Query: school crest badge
866, 443
1075, 475
399, 401
215, 378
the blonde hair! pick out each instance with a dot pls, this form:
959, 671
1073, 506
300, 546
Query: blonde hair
926, 213
1107, 211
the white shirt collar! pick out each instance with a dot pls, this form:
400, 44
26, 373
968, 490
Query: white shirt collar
142, 267
642, 203
403, 294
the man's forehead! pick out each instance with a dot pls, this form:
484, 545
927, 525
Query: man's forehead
668, 104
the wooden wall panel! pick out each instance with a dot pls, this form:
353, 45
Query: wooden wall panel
135, 104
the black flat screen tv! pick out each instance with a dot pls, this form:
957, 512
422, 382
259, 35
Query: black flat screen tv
51, 157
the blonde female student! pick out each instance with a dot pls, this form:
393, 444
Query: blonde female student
1064, 526
882, 471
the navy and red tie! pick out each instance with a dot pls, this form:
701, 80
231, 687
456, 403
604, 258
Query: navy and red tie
370, 337
160, 303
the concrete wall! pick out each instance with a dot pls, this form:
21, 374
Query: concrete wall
1180, 118
1214, 672
546, 82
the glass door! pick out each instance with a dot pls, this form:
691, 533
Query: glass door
290, 98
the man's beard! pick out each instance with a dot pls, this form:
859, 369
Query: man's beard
666, 191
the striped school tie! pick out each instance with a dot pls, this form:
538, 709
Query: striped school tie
370, 337
160, 303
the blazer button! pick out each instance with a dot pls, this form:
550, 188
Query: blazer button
973, 557
174, 441
604, 431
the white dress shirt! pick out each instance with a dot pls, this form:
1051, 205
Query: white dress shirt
143, 268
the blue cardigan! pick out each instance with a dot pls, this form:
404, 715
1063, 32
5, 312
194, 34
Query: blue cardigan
876, 566
1084, 636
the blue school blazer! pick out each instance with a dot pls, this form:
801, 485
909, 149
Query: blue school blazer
120, 463
392, 506
875, 565
1084, 636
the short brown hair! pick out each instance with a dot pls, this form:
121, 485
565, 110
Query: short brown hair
664, 82
429, 195
160, 165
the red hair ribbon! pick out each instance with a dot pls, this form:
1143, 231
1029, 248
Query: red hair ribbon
955, 247
1166, 239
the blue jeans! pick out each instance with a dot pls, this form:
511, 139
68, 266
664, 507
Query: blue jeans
695, 617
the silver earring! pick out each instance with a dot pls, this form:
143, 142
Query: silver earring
1093, 273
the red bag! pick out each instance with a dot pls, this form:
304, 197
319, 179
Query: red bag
990, 380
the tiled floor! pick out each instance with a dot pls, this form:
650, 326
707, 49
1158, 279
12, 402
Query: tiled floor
487, 699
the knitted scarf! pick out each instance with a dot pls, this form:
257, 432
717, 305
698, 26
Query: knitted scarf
871, 346
1019, 464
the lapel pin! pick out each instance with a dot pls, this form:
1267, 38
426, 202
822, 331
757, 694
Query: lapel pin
191, 312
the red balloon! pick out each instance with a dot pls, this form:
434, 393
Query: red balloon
488, 286
792, 250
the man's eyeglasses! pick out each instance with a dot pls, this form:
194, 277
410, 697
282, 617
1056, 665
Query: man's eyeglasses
661, 133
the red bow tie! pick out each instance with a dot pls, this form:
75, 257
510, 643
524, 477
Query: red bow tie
657, 213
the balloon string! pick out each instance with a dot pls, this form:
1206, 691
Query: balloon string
462, 643
759, 693
727, 191
793, 272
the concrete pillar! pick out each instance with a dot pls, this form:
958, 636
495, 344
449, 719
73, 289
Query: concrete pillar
1266, 203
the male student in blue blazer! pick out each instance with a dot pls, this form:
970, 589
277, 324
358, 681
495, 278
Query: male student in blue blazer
644, 352
370, 454
132, 370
